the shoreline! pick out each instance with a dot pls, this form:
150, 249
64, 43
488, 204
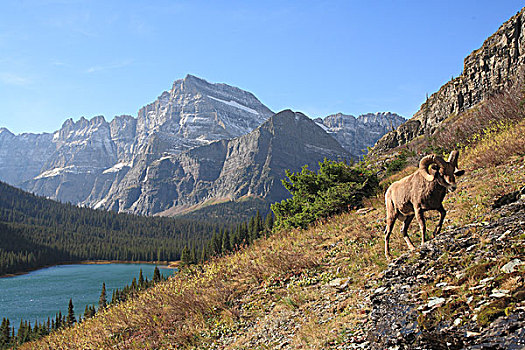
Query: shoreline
162, 265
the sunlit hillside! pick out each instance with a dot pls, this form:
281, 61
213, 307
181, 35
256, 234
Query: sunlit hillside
320, 287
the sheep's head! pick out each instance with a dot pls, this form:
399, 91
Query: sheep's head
444, 172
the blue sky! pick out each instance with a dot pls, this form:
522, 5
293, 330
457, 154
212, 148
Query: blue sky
62, 59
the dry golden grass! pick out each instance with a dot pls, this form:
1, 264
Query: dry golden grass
463, 129
498, 143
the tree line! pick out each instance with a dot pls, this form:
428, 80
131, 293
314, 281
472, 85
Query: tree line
35, 232
230, 239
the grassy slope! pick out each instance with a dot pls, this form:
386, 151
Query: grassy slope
286, 290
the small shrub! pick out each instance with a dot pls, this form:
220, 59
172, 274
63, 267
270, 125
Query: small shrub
333, 189
397, 164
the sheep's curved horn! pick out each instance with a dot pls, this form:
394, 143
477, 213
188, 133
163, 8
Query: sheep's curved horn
440, 161
453, 158
424, 163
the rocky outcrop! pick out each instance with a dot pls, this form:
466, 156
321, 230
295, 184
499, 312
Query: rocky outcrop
356, 134
250, 165
488, 70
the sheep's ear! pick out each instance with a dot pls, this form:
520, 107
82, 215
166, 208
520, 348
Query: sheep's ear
459, 172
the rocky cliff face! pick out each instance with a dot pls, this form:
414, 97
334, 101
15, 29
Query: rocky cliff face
356, 134
250, 165
488, 70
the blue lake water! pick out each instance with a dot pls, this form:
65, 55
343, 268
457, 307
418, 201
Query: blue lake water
42, 293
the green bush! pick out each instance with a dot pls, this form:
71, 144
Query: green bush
397, 164
333, 189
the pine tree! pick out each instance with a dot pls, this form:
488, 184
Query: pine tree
193, 254
87, 313
102, 301
141, 280
216, 244
243, 233
186, 255
70, 314
251, 226
204, 254
268, 224
5, 331
156, 274
226, 247
58, 321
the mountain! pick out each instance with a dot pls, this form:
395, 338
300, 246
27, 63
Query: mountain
496, 65
250, 165
21, 156
193, 145
88, 158
356, 134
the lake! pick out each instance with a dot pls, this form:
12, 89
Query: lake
42, 293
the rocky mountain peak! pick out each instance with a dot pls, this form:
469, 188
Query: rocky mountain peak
195, 112
356, 134
5, 131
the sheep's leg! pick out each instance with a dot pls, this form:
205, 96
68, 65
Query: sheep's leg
442, 213
420, 217
404, 230
390, 221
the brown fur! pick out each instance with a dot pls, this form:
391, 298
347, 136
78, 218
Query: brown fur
419, 192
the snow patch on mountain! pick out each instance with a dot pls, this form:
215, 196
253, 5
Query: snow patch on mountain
70, 169
117, 167
235, 104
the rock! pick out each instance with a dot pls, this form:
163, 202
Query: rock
363, 211
486, 280
508, 198
499, 293
511, 265
435, 302
449, 288
380, 290
339, 283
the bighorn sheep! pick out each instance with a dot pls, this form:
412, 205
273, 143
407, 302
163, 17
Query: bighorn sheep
423, 190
